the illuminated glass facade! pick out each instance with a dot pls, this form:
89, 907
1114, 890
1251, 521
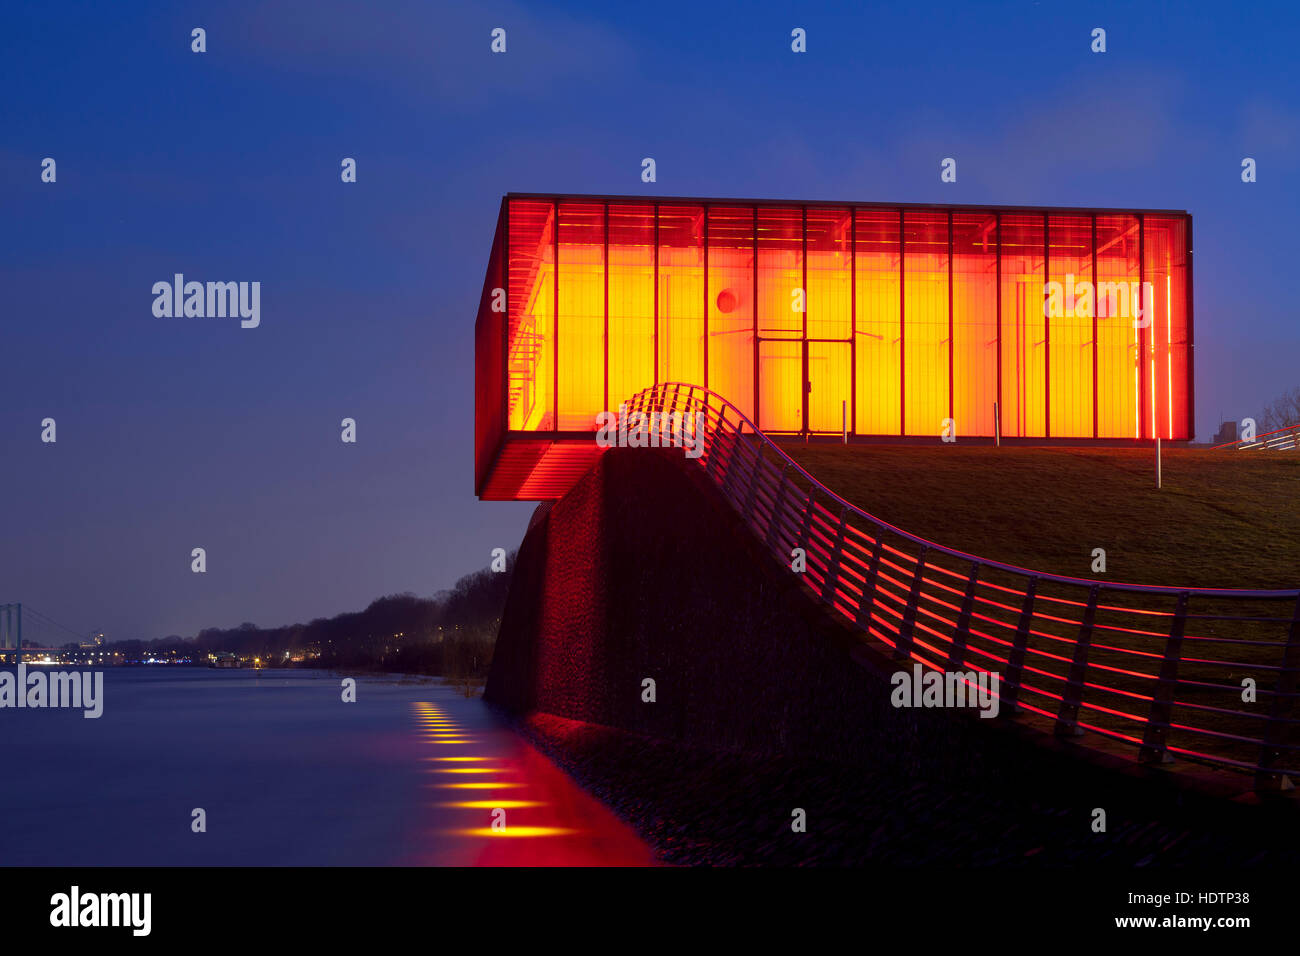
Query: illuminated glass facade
1069, 324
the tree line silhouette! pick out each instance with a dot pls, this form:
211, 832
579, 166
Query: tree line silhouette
451, 634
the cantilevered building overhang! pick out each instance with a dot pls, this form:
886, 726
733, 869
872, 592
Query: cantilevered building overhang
1045, 325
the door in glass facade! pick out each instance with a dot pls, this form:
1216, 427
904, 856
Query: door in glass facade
780, 386
830, 399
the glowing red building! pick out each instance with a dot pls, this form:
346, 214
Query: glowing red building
1047, 325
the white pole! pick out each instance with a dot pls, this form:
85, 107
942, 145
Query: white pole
844, 419
997, 427
1158, 476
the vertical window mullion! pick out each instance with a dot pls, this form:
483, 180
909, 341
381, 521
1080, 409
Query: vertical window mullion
1143, 385
997, 231
753, 312
605, 266
656, 293
1096, 284
902, 324
1047, 331
951, 353
706, 295
555, 326
853, 319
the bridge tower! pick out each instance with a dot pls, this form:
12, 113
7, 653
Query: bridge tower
11, 631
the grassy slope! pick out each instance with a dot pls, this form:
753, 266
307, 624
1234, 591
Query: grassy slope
1223, 519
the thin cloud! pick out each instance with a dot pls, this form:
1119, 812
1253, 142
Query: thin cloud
426, 47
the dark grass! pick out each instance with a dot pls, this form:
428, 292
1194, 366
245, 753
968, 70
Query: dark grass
1222, 519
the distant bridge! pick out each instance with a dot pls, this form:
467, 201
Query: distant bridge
1207, 675
40, 630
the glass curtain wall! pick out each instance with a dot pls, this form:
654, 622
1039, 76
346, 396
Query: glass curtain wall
883, 320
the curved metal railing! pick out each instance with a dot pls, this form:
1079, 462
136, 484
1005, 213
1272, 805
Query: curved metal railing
1204, 674
1286, 438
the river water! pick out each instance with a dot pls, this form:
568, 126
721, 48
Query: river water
412, 773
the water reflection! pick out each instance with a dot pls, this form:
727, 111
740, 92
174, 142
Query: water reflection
289, 775
541, 817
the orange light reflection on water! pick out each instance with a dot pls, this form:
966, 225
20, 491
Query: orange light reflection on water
547, 819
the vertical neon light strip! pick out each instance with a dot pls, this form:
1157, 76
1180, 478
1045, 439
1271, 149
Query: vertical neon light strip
1169, 353
1140, 333
1152, 350
555, 320
1153, 391
1137, 386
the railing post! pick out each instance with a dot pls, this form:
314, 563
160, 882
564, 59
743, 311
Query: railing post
1016, 659
805, 532
1275, 731
752, 492
738, 460
673, 402
729, 480
904, 645
957, 653
774, 520
1067, 717
868, 599
832, 576
1155, 742
712, 465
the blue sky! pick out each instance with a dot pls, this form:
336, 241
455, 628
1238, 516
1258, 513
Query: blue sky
183, 433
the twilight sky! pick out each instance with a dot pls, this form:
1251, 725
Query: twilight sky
176, 433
